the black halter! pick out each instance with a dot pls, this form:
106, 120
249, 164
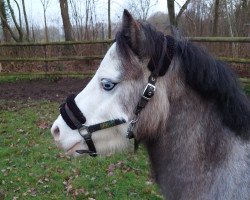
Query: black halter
76, 120
157, 69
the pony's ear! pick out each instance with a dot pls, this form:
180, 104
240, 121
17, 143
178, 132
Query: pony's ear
131, 30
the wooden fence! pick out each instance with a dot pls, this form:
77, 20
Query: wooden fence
44, 57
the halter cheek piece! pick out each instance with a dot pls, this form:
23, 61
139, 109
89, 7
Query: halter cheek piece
75, 119
157, 69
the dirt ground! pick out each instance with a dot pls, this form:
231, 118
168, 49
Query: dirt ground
42, 89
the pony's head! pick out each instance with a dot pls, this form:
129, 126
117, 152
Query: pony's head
113, 93
118, 99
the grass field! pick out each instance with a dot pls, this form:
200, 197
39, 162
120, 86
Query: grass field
33, 168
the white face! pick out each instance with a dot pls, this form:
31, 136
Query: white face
98, 104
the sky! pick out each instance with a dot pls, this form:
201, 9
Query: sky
35, 10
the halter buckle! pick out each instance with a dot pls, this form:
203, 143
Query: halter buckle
82, 132
148, 92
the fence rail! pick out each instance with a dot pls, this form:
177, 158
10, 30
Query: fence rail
71, 58
221, 39
98, 57
194, 39
51, 59
62, 43
44, 57
69, 73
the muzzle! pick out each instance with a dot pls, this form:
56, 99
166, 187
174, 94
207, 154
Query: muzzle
75, 119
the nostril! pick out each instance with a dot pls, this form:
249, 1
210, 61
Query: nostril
56, 133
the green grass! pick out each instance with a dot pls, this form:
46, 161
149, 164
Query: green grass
32, 167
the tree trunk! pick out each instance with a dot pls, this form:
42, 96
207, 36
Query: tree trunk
87, 5
33, 34
26, 21
66, 21
229, 21
45, 26
234, 45
109, 21
171, 13
4, 22
45, 4
76, 34
18, 26
244, 17
216, 17
183, 8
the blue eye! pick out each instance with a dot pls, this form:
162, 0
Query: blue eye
107, 84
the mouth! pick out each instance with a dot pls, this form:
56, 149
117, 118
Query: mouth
72, 150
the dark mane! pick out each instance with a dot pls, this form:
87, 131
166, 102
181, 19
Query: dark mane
214, 80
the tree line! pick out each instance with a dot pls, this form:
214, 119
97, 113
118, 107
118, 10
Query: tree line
194, 18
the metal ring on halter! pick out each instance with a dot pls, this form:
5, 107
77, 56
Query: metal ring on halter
131, 126
84, 127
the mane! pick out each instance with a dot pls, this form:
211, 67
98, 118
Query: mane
215, 81
212, 79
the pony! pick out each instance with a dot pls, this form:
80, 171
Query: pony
192, 116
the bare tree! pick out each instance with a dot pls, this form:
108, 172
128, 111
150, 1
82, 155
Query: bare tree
18, 26
216, 17
109, 21
228, 11
87, 7
18, 37
66, 21
26, 21
171, 12
242, 18
4, 21
141, 8
90, 19
77, 16
45, 4
84, 19
182, 10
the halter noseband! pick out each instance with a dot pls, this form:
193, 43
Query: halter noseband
76, 120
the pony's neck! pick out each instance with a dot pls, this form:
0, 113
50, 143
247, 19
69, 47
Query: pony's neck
193, 146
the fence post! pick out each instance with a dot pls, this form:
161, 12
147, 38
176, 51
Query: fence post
45, 59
